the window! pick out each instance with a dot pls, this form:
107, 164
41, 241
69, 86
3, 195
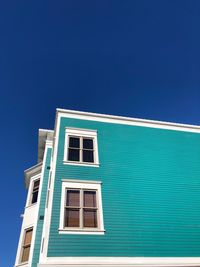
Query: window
81, 147
35, 190
26, 245
81, 207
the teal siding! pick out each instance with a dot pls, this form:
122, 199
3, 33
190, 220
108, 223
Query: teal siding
37, 245
150, 193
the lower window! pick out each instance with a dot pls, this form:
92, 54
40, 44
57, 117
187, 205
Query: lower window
81, 207
26, 245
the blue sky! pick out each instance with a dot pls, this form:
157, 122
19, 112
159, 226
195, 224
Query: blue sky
132, 58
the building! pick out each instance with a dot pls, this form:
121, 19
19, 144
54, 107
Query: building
112, 191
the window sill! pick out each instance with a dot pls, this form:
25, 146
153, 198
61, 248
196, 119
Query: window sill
82, 231
81, 163
22, 264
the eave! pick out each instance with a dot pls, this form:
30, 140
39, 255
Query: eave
34, 170
43, 136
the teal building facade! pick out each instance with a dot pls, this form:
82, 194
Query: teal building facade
112, 191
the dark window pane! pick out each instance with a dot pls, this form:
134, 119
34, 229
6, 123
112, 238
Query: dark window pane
72, 218
89, 199
88, 143
73, 154
34, 197
88, 156
89, 218
25, 254
36, 184
74, 142
73, 198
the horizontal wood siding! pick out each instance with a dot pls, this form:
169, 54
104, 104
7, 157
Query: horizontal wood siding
150, 193
37, 245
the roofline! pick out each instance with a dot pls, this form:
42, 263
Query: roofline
34, 170
45, 130
129, 120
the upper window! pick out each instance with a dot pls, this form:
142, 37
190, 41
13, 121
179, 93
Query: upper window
35, 190
81, 207
26, 245
81, 147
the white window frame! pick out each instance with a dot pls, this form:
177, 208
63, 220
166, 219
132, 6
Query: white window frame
22, 245
30, 190
81, 133
84, 185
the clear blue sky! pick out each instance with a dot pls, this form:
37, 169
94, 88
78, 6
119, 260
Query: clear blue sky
133, 58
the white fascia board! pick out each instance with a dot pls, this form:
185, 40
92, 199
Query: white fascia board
127, 120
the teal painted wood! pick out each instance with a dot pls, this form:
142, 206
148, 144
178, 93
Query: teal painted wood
150, 193
39, 226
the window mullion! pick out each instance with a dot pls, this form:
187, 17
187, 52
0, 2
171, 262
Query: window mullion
81, 149
81, 208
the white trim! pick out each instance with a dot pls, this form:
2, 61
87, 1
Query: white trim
81, 133
22, 264
32, 169
30, 190
81, 164
38, 202
46, 130
47, 217
43, 136
127, 120
164, 261
46, 208
33, 223
81, 232
49, 143
81, 181
81, 185
20, 244
121, 261
23, 243
31, 172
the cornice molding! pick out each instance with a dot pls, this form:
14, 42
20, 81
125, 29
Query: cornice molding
127, 120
